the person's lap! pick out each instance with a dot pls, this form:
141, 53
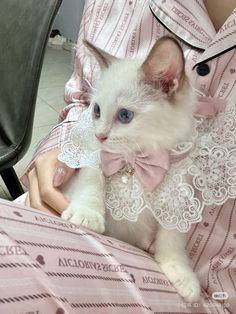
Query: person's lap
52, 266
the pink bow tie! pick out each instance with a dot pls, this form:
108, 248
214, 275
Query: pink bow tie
150, 166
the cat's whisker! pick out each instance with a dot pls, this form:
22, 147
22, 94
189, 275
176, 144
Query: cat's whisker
115, 143
139, 148
90, 85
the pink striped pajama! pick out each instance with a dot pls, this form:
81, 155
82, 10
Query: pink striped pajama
51, 266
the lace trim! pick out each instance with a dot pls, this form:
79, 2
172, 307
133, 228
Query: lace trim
81, 149
207, 176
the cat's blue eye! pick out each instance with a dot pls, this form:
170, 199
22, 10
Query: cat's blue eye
125, 115
97, 111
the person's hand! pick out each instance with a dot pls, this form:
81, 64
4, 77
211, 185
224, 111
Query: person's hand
44, 182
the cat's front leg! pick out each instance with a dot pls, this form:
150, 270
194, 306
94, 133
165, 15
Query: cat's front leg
86, 208
171, 255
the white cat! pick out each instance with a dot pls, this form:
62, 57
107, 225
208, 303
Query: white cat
138, 105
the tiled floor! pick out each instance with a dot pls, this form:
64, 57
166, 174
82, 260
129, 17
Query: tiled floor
57, 69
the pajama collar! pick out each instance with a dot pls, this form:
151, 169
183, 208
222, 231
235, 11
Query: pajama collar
189, 21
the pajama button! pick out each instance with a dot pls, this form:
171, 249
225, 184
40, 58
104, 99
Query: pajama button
203, 69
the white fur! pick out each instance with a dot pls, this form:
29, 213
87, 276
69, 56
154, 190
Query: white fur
158, 122
86, 207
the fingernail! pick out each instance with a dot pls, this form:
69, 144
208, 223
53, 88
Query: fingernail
59, 176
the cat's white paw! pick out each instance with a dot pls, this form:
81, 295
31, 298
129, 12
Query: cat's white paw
86, 217
183, 279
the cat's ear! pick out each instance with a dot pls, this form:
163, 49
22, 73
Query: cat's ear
103, 58
164, 66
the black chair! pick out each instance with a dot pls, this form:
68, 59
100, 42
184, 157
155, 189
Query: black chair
25, 26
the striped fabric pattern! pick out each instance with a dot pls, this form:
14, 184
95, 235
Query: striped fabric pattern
51, 266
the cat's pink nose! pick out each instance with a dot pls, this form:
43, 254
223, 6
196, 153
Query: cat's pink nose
101, 137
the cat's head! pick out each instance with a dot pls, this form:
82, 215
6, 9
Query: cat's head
141, 104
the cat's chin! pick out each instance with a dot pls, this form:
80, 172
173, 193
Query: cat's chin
127, 148
116, 148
